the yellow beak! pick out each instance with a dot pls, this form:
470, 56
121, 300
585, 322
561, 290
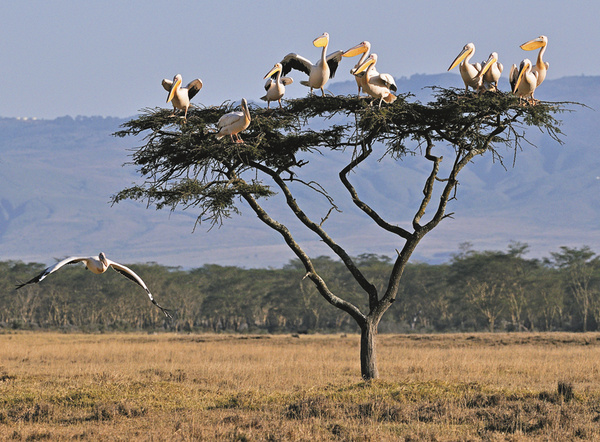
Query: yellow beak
488, 64
358, 49
463, 54
536, 43
174, 88
275, 69
321, 41
363, 67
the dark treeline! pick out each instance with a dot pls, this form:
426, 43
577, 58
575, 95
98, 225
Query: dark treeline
474, 291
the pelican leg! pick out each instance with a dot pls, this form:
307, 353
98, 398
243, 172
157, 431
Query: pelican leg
322, 92
280, 106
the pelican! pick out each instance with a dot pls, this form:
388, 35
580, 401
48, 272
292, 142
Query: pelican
234, 122
523, 80
97, 264
468, 71
491, 69
319, 73
361, 48
377, 85
540, 66
275, 87
181, 96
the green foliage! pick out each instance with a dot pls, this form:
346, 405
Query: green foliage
184, 165
530, 295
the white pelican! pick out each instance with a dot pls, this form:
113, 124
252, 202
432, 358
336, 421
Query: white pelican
275, 87
377, 85
540, 66
468, 71
361, 48
181, 96
319, 73
523, 80
234, 122
491, 69
97, 264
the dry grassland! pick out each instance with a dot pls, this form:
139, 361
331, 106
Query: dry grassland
171, 387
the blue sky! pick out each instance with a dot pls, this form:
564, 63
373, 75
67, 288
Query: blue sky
66, 57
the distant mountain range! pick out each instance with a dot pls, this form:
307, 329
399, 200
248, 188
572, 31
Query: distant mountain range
58, 177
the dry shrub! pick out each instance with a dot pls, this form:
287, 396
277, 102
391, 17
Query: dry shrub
111, 410
31, 413
311, 407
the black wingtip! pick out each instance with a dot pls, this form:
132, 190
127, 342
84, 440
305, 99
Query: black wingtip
167, 312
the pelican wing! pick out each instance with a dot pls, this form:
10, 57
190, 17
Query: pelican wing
287, 80
193, 87
268, 84
167, 84
51, 269
513, 76
387, 81
333, 60
295, 61
229, 119
130, 274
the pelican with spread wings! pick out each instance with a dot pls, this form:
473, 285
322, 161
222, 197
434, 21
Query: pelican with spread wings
318, 73
181, 96
97, 264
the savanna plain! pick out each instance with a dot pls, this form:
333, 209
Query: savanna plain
172, 387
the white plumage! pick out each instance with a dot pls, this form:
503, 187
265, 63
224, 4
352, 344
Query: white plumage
97, 264
234, 122
181, 96
275, 87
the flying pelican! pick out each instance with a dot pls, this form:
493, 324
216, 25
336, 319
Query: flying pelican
275, 87
319, 73
540, 66
491, 69
523, 80
361, 48
181, 96
377, 85
234, 122
468, 71
97, 264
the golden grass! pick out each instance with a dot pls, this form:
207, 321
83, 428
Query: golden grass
217, 387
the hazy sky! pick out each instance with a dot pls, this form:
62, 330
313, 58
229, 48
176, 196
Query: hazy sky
66, 57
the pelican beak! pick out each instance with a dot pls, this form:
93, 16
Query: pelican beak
176, 84
533, 44
463, 54
321, 41
275, 69
521, 74
488, 64
360, 48
363, 67
102, 258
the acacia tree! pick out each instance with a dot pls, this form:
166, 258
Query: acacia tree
184, 166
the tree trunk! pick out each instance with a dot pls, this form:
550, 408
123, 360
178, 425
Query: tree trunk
368, 356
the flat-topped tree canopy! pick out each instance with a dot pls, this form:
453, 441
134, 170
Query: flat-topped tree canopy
184, 166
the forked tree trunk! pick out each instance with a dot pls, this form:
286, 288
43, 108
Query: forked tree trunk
368, 355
